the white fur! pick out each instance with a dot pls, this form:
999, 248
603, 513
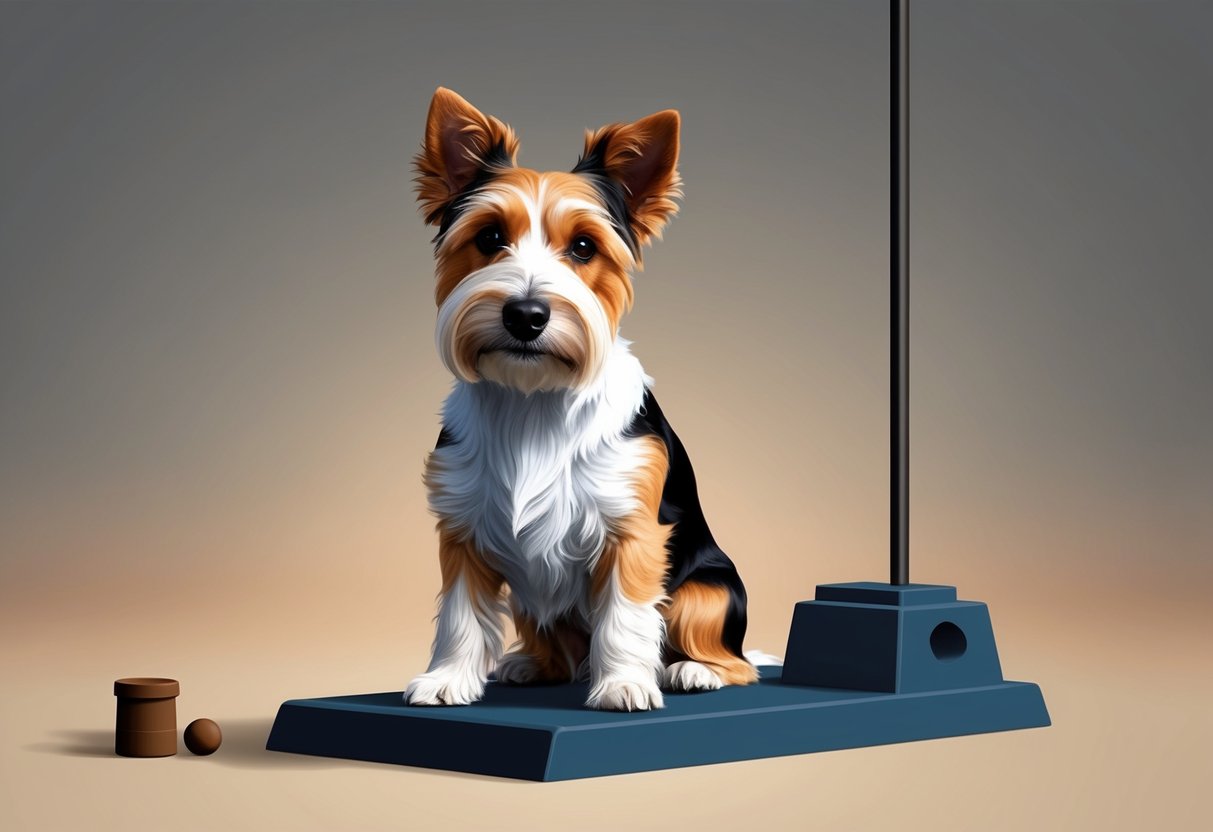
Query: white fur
760, 659
537, 479
625, 653
538, 470
578, 331
578, 337
467, 644
690, 676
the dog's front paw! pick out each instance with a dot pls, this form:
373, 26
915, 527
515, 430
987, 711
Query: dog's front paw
444, 687
690, 676
625, 695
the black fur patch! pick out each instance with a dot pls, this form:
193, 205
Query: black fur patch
694, 555
593, 167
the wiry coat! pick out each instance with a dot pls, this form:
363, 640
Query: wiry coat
557, 481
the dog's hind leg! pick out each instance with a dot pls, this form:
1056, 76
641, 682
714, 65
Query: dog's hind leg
543, 655
698, 620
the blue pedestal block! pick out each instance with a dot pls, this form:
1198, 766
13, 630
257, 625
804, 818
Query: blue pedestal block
897, 639
919, 680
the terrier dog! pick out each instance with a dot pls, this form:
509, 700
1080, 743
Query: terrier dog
556, 473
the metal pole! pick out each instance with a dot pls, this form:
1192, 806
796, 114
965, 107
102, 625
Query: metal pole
899, 518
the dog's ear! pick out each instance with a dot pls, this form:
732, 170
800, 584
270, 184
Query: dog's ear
643, 158
461, 143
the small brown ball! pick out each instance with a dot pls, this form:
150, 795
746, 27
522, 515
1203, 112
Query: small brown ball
202, 737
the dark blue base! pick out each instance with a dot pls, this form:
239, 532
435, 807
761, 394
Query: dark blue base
546, 733
867, 664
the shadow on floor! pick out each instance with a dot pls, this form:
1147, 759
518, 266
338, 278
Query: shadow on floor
243, 747
77, 743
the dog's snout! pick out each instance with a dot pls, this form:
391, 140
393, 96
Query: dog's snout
525, 319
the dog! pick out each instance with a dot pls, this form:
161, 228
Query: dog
556, 474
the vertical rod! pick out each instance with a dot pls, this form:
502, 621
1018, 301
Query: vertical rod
899, 518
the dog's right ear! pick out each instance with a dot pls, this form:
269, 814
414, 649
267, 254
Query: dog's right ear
461, 144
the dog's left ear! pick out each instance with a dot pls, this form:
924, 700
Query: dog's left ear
643, 158
461, 143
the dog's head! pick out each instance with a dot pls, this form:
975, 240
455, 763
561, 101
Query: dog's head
534, 269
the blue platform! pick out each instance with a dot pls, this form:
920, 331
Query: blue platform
926, 660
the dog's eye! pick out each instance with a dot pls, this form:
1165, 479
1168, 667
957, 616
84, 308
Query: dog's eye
490, 239
583, 248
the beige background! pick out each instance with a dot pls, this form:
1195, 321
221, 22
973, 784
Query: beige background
218, 383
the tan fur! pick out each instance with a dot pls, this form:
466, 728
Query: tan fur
695, 627
643, 156
457, 256
457, 138
607, 272
467, 349
635, 551
557, 649
459, 557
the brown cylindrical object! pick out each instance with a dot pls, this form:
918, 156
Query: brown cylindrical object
147, 717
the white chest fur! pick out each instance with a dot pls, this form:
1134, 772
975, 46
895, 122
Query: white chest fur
539, 478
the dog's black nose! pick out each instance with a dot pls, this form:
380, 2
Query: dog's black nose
525, 319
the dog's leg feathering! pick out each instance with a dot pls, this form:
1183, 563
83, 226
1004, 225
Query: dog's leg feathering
468, 638
625, 652
628, 587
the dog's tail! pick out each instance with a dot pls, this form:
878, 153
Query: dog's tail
760, 659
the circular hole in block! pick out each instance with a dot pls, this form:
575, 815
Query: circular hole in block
948, 642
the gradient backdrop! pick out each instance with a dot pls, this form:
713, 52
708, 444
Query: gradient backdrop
218, 380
